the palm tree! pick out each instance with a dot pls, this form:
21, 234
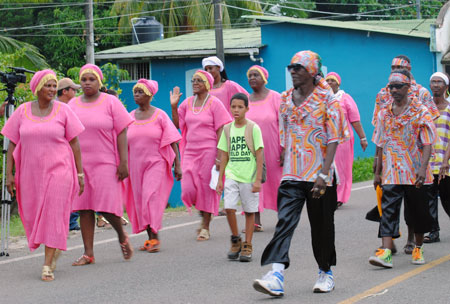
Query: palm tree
181, 16
28, 55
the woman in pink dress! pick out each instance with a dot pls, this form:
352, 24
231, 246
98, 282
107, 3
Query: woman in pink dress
152, 151
45, 151
344, 151
201, 119
105, 160
264, 105
222, 88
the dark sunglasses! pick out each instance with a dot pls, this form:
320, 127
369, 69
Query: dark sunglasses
295, 67
397, 86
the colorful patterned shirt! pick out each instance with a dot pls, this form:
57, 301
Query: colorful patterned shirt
384, 99
306, 130
402, 139
443, 131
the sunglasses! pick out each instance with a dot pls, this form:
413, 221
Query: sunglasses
197, 81
397, 86
295, 67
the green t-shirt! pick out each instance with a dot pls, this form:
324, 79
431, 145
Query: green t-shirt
241, 165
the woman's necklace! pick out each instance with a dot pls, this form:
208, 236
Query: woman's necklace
47, 111
203, 105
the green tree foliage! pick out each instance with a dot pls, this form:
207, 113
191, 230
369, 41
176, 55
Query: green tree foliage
63, 44
376, 9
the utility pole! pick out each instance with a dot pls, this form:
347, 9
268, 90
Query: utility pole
218, 26
89, 32
418, 9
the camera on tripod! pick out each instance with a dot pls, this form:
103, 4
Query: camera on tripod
17, 75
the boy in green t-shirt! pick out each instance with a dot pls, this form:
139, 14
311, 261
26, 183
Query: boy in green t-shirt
243, 171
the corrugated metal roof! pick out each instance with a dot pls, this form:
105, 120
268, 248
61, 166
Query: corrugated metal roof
415, 28
236, 41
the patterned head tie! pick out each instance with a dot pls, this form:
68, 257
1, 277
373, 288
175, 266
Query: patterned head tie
310, 61
399, 77
401, 62
40, 79
150, 87
262, 71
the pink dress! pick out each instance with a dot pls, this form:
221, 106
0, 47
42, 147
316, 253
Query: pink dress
198, 149
46, 175
344, 152
226, 91
103, 119
265, 114
150, 158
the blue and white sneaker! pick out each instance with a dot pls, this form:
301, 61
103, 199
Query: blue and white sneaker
272, 284
325, 282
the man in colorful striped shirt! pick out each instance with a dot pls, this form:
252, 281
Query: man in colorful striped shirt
312, 124
441, 184
404, 135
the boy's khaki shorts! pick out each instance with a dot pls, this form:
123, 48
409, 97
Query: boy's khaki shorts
237, 191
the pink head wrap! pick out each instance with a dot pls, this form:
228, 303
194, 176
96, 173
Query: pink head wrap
335, 76
207, 77
150, 87
40, 78
262, 71
309, 60
92, 68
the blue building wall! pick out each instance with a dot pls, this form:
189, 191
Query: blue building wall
362, 60
170, 73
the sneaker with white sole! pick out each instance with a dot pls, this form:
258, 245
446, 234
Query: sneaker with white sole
417, 256
272, 284
382, 258
325, 282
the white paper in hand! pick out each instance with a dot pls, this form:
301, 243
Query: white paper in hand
214, 178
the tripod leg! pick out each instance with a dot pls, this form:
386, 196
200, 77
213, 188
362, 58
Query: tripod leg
2, 236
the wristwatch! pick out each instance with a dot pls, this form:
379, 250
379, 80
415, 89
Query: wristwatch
325, 177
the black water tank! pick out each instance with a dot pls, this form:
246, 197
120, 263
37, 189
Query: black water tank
147, 29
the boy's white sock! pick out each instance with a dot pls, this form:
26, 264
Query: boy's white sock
278, 267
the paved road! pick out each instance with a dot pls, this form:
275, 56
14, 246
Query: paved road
186, 271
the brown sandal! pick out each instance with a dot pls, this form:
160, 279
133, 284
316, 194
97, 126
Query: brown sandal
84, 260
154, 246
127, 250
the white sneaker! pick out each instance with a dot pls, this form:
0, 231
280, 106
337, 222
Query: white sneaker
325, 282
272, 284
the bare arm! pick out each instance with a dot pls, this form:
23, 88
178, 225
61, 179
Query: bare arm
444, 166
10, 183
174, 100
320, 185
122, 146
219, 152
378, 167
177, 169
222, 166
362, 136
259, 170
75, 145
420, 176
